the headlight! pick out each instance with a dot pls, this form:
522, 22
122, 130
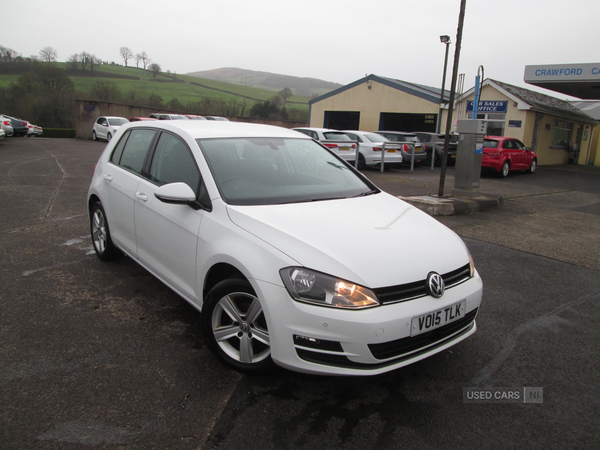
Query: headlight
471, 265
305, 285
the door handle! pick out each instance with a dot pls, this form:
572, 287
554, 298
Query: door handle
108, 177
141, 196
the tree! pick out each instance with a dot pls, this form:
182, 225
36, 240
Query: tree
285, 93
84, 59
264, 110
126, 54
48, 54
155, 101
93, 61
73, 61
155, 68
144, 58
105, 91
8, 54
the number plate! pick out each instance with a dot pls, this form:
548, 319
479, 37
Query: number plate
390, 150
345, 149
436, 319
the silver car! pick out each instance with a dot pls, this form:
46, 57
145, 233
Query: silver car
331, 139
106, 127
6, 126
408, 141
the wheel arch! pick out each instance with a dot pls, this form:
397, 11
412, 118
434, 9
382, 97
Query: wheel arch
218, 273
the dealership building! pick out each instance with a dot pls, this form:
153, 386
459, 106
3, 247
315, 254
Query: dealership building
550, 126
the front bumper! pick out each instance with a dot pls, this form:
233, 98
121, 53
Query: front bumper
321, 340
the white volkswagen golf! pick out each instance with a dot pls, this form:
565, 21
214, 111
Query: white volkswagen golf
291, 255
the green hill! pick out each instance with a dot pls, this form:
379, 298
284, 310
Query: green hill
270, 81
131, 83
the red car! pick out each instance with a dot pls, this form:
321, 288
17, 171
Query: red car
504, 154
138, 119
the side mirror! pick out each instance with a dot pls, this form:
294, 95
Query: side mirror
176, 193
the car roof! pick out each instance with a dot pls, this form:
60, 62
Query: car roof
204, 129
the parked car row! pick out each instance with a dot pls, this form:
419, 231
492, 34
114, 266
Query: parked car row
165, 116
500, 154
105, 127
12, 126
399, 147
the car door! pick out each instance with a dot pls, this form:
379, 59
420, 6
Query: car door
523, 154
509, 151
122, 177
101, 127
166, 233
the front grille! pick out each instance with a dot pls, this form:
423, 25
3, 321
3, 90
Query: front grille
409, 291
409, 344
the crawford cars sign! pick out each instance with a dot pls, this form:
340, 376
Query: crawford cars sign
562, 72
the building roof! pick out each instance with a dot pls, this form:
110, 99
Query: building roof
418, 90
536, 101
590, 107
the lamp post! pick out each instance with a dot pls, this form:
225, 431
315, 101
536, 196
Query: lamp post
461, 19
444, 40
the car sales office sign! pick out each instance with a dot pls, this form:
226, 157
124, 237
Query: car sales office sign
488, 106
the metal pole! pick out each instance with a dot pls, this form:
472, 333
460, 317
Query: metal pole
461, 19
439, 121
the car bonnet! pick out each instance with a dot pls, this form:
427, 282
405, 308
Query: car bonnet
375, 241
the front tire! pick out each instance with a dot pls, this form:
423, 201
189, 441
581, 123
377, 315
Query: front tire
103, 244
235, 327
533, 166
108, 137
94, 136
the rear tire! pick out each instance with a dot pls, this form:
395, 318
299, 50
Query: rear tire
103, 244
108, 137
362, 164
505, 169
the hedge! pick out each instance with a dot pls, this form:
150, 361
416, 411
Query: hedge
59, 133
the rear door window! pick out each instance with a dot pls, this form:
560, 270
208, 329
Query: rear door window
132, 149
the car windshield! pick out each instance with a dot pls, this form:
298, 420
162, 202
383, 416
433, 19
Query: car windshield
267, 171
373, 137
336, 136
453, 137
116, 121
411, 138
490, 143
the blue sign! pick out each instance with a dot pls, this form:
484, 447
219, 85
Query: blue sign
88, 107
514, 123
489, 106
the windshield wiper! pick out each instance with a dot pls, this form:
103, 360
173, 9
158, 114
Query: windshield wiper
364, 194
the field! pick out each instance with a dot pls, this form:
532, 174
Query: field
168, 86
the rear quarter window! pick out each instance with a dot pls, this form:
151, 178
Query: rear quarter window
490, 143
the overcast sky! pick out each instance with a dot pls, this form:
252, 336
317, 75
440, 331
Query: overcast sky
332, 40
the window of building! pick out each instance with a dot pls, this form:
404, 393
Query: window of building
495, 122
561, 133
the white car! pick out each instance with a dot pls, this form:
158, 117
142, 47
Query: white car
105, 127
346, 151
292, 256
370, 148
6, 125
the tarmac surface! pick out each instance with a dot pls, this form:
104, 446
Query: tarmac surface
102, 355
